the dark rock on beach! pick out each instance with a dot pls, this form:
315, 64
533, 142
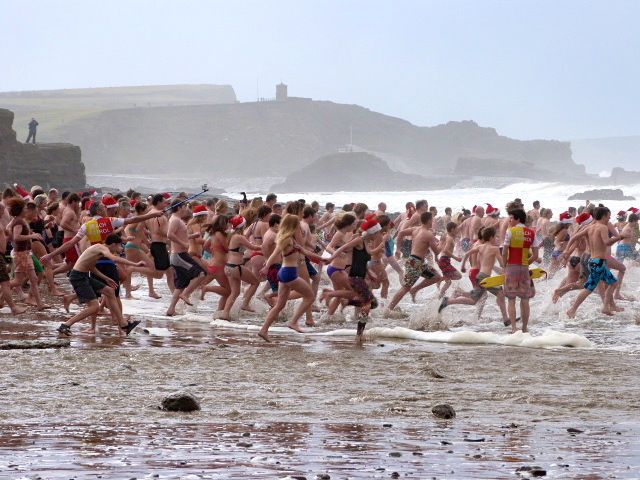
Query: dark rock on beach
532, 471
443, 411
180, 402
601, 194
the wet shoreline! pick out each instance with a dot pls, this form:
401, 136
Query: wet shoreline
312, 405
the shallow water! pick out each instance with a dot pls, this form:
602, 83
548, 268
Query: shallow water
317, 403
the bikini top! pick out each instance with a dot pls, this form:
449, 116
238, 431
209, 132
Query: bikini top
292, 251
238, 249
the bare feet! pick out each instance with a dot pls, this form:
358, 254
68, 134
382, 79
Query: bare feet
186, 300
154, 295
90, 331
324, 296
294, 326
264, 336
608, 312
310, 323
67, 299
413, 296
247, 309
18, 310
171, 313
556, 296
42, 307
571, 313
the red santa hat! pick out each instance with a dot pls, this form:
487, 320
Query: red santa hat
238, 222
133, 203
200, 210
584, 218
166, 195
565, 217
621, 214
21, 191
370, 226
491, 210
109, 202
634, 210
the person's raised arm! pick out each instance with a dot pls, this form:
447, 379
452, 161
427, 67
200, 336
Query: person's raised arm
143, 218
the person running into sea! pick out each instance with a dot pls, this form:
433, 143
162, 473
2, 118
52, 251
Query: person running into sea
215, 251
449, 272
189, 274
87, 287
337, 271
236, 271
423, 240
599, 240
22, 255
288, 254
137, 248
561, 238
520, 249
626, 249
487, 255
5, 280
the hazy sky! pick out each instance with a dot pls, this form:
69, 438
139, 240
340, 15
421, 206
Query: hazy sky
531, 69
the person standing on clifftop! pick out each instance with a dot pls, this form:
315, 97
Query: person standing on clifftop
33, 126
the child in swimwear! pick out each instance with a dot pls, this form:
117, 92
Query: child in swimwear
449, 272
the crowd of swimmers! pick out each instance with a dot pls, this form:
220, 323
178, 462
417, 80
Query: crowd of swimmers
281, 252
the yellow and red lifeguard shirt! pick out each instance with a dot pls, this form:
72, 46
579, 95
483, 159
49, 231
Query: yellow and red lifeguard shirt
99, 228
520, 240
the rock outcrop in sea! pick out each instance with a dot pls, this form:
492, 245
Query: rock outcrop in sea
46, 164
601, 194
355, 171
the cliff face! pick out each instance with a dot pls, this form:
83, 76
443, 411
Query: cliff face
252, 139
48, 165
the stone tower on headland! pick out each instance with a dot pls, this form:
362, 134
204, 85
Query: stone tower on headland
46, 164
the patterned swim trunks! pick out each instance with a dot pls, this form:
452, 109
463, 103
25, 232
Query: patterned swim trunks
599, 272
414, 268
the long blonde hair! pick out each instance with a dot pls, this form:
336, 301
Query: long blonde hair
288, 228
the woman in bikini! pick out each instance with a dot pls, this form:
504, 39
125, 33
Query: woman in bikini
255, 260
215, 250
236, 271
337, 271
289, 254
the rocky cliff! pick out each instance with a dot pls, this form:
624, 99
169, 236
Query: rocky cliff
49, 165
276, 138
356, 171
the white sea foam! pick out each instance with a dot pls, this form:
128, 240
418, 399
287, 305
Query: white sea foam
549, 338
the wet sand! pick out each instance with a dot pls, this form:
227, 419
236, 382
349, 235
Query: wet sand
306, 406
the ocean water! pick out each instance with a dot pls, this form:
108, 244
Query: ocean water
550, 194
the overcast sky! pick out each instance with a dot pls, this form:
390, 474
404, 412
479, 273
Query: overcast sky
532, 69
